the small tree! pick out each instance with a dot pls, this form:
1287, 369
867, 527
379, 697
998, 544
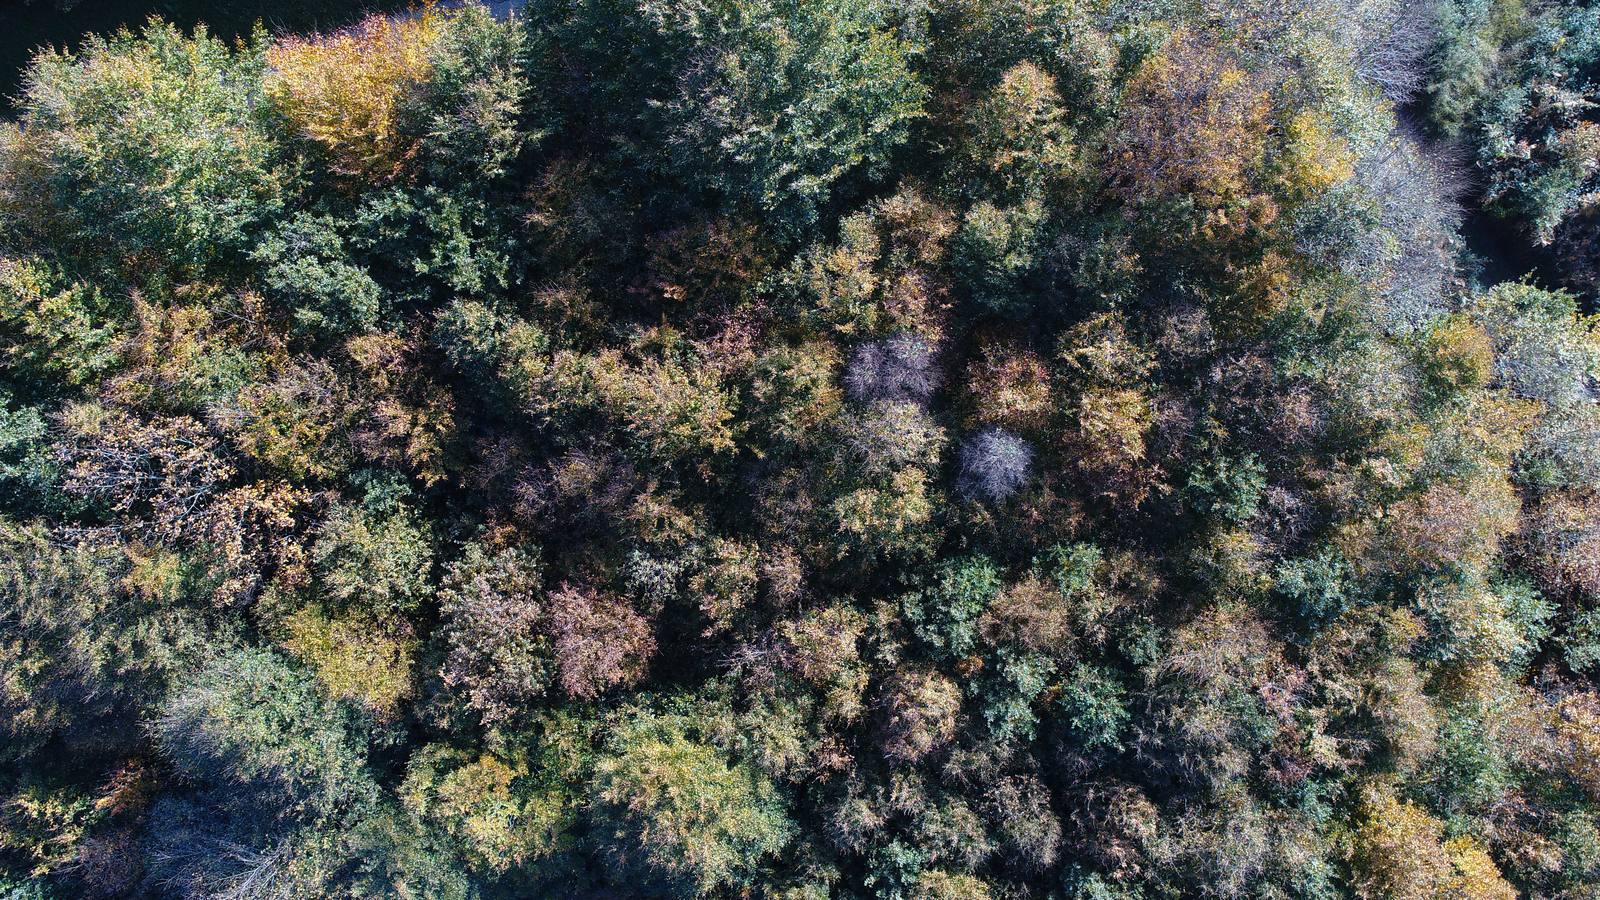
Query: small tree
919, 714
994, 464
777, 101
503, 813
248, 721
1017, 136
495, 630
681, 810
899, 369
600, 641
375, 561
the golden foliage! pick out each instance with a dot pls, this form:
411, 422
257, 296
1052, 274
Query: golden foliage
1578, 737
1194, 124
1397, 851
1313, 157
1457, 354
344, 92
353, 659
1398, 854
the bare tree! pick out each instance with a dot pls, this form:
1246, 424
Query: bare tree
994, 464
899, 368
1392, 39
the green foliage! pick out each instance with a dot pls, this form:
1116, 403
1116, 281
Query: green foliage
58, 334
150, 150
945, 614
249, 721
376, 561
802, 449
1514, 81
26, 470
307, 269
1228, 490
996, 251
796, 96
93, 636
1318, 589
692, 819
1095, 704
474, 107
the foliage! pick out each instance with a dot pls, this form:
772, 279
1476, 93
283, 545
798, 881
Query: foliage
801, 449
694, 819
344, 92
146, 151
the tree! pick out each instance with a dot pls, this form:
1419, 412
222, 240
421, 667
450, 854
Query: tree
888, 437
898, 369
1464, 59
945, 614
375, 561
354, 659
795, 393
344, 92
296, 422
159, 472
94, 635
1399, 853
919, 715
152, 148
277, 774
994, 464
309, 272
793, 97
1563, 544
1194, 124
1009, 387
1543, 349
473, 111
503, 813
63, 333
600, 641
998, 252
891, 517
691, 818
1017, 136
1108, 403
672, 409
495, 629
248, 721
882, 275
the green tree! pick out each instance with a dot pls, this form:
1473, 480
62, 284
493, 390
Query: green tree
695, 820
149, 150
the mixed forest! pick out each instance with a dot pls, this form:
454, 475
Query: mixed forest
804, 449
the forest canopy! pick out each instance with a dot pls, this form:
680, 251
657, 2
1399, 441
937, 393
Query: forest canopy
802, 449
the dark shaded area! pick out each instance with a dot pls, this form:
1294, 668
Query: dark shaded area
1502, 254
30, 24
